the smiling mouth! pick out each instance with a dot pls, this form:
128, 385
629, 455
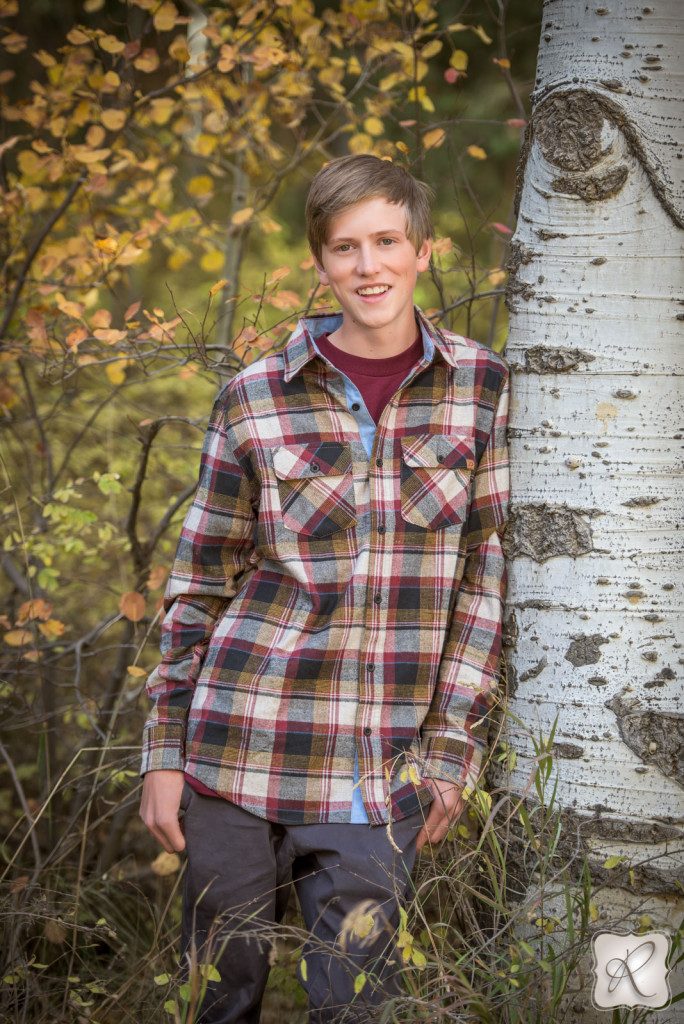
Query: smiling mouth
377, 289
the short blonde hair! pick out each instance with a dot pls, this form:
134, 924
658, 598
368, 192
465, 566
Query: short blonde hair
353, 179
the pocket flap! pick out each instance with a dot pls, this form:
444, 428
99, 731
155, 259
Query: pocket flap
299, 461
437, 451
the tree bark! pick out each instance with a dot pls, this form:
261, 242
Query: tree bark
594, 619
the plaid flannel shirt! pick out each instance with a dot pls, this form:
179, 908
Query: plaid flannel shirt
321, 604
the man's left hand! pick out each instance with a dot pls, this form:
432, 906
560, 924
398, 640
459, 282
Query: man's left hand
444, 810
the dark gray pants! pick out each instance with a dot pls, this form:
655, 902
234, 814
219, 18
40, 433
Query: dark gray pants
239, 872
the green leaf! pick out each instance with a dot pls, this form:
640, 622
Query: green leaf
359, 982
161, 979
210, 972
302, 968
185, 992
613, 862
419, 959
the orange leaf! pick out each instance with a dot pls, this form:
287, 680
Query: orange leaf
157, 577
188, 371
136, 671
75, 337
286, 300
52, 628
434, 138
477, 152
242, 216
132, 310
147, 61
132, 605
111, 336
217, 287
279, 274
101, 318
37, 608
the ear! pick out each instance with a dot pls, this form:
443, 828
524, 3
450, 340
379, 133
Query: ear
423, 255
322, 276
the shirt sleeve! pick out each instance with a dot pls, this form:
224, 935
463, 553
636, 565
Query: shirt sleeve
454, 732
213, 552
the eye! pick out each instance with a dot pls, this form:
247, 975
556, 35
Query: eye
387, 241
344, 247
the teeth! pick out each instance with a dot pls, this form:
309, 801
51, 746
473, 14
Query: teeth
378, 289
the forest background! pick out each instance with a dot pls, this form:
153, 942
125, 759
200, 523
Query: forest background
154, 164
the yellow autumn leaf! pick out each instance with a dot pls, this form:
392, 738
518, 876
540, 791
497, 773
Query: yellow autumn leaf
434, 138
302, 968
178, 258
36, 608
212, 261
178, 49
110, 44
18, 637
116, 373
477, 152
431, 48
479, 31
242, 216
76, 37
147, 61
86, 155
360, 143
503, 62
215, 288
165, 18
136, 671
403, 147
166, 864
374, 126
359, 982
459, 60
496, 277
113, 120
200, 185
419, 959
95, 135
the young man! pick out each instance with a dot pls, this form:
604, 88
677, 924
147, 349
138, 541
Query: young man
333, 614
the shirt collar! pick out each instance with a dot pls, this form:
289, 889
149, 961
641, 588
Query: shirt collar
300, 349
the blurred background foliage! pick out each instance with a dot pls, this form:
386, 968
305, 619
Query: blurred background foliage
154, 164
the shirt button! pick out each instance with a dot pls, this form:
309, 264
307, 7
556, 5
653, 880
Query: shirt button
355, 407
381, 528
440, 458
378, 598
378, 462
371, 667
314, 467
367, 731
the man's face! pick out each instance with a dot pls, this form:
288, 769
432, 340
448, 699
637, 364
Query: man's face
371, 266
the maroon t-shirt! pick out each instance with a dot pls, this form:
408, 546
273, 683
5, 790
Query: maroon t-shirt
377, 380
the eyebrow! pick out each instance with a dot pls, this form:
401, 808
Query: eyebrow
376, 234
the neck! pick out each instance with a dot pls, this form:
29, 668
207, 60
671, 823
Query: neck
381, 343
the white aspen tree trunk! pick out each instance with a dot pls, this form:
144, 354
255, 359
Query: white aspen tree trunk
596, 297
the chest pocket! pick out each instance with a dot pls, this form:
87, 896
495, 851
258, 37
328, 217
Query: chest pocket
316, 487
435, 479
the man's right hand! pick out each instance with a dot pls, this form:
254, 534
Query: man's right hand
161, 797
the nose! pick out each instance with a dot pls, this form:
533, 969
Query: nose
367, 260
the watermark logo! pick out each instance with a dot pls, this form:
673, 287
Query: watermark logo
630, 970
